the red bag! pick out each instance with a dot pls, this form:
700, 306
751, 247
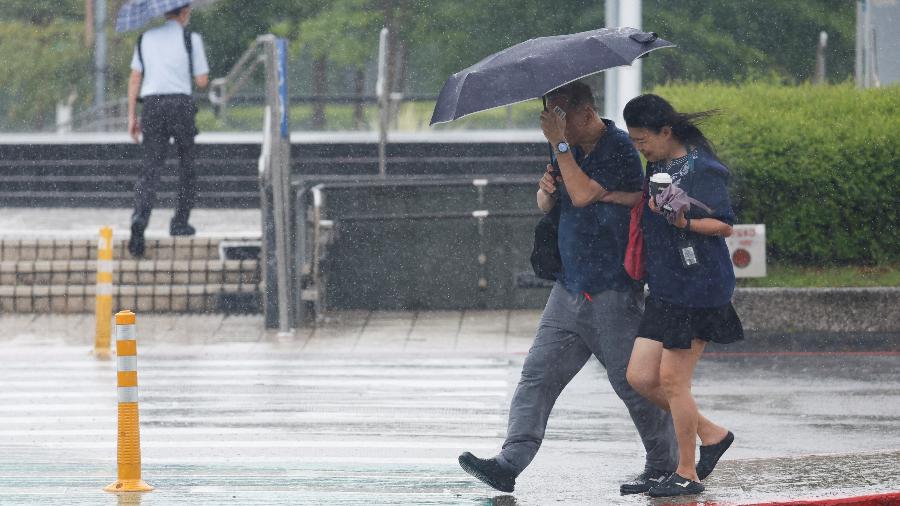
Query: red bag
635, 261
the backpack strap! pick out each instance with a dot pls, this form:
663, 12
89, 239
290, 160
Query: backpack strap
141, 55
189, 46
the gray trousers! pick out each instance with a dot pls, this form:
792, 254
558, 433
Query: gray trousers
572, 329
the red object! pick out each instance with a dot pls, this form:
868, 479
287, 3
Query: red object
587, 296
635, 255
890, 499
741, 258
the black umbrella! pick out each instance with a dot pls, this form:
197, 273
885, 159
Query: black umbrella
534, 67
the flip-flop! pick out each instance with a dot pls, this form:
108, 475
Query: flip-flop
710, 455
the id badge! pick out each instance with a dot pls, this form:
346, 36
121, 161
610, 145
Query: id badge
687, 252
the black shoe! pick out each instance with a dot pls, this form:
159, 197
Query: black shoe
644, 482
676, 485
181, 229
488, 471
710, 455
136, 242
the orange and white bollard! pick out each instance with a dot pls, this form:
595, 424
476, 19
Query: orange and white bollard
129, 444
103, 294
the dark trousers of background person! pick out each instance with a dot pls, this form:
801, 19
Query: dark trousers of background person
165, 117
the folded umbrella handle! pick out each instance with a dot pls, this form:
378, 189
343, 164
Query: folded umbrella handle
677, 200
644, 37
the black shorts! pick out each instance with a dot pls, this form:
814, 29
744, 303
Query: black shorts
676, 326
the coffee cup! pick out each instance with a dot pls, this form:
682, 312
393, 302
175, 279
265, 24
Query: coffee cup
659, 182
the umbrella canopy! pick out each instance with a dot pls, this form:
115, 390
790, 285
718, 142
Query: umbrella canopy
533, 68
137, 13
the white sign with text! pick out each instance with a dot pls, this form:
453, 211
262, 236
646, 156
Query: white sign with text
747, 247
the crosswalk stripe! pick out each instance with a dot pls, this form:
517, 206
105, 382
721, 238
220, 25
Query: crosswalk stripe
178, 362
388, 400
281, 443
293, 407
148, 370
258, 418
310, 415
323, 382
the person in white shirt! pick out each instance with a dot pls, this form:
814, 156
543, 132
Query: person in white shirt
166, 59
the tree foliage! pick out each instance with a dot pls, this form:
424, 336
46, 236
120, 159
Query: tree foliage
736, 41
229, 27
49, 64
324, 35
42, 12
727, 41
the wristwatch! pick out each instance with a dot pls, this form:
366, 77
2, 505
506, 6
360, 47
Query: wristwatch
562, 147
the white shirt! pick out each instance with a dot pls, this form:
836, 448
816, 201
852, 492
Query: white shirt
167, 61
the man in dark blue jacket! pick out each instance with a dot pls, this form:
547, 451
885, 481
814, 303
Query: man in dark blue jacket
594, 307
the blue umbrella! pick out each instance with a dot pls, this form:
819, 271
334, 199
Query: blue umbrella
534, 67
137, 13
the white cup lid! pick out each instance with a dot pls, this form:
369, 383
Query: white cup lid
661, 178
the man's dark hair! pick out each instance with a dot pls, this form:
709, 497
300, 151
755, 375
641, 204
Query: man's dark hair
176, 11
576, 93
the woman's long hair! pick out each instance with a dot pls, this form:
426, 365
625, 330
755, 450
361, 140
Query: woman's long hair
654, 112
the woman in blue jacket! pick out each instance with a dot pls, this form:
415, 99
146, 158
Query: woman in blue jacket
690, 279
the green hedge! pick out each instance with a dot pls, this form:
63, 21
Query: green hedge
818, 165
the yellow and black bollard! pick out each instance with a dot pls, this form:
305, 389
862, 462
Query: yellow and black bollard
129, 444
103, 294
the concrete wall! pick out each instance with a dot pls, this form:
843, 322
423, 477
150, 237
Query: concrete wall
819, 309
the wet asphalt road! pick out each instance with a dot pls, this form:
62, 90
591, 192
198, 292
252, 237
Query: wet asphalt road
266, 425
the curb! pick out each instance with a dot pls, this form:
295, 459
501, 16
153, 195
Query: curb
838, 311
821, 342
889, 499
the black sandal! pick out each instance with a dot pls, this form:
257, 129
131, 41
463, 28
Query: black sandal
710, 455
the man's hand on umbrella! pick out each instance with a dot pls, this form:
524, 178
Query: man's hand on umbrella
553, 126
547, 183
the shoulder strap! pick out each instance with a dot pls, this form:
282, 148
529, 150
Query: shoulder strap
647, 175
141, 55
189, 46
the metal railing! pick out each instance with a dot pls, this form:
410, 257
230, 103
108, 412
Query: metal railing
111, 116
223, 89
274, 167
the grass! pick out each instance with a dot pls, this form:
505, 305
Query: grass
816, 277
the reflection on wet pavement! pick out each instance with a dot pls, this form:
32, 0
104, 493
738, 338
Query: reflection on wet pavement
275, 426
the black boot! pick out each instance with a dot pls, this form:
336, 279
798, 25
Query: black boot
488, 471
136, 241
181, 229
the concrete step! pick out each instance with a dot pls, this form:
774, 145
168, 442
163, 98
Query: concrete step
194, 298
129, 272
161, 248
100, 172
